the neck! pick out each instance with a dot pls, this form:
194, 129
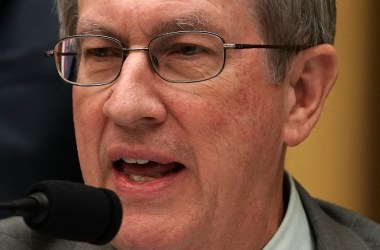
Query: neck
258, 220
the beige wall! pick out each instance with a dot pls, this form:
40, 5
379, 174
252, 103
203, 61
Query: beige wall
340, 161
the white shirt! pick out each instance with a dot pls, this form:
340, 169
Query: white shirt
294, 232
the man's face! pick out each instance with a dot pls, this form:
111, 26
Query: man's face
195, 165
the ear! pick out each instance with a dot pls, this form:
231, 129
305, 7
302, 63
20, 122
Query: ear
310, 78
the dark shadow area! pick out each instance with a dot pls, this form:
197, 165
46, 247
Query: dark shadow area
371, 127
36, 127
375, 107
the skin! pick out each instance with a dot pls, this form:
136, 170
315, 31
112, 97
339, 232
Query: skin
230, 132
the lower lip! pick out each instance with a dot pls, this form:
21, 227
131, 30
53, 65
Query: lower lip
147, 190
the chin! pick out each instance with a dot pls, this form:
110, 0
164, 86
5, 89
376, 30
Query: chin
140, 240
146, 231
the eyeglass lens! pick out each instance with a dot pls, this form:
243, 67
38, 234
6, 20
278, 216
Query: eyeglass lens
176, 57
89, 60
187, 57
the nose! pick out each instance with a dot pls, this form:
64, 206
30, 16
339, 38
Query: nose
134, 101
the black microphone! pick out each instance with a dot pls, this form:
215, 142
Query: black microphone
69, 210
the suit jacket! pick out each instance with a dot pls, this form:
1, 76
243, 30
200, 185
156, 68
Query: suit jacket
338, 228
334, 228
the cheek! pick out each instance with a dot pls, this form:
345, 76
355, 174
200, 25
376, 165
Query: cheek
232, 130
89, 123
231, 127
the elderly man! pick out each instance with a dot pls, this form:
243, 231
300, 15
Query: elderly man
185, 109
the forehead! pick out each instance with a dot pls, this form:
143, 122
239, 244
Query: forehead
159, 16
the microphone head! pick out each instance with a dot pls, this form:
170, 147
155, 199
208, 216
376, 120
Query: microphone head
77, 212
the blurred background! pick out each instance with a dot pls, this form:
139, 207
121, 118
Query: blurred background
340, 161
36, 125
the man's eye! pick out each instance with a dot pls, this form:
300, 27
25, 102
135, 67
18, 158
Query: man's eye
100, 52
186, 49
190, 50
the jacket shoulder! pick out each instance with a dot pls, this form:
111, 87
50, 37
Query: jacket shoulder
364, 228
15, 234
335, 227
10, 230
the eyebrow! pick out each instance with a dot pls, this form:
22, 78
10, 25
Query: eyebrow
190, 22
89, 27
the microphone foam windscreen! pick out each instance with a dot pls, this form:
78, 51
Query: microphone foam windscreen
77, 212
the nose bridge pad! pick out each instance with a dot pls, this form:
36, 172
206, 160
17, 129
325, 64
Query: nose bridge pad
128, 51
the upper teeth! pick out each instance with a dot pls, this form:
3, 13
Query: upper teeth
134, 161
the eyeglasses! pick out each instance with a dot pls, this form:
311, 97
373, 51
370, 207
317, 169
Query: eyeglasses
177, 57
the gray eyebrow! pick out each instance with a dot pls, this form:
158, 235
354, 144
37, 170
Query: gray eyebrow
190, 22
193, 22
89, 27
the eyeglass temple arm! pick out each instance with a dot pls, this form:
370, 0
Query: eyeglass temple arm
295, 48
52, 52
49, 53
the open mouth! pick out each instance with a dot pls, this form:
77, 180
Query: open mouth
144, 171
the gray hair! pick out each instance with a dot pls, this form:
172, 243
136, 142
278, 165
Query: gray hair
68, 16
293, 22
281, 22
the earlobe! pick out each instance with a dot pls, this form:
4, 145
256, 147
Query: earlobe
312, 75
